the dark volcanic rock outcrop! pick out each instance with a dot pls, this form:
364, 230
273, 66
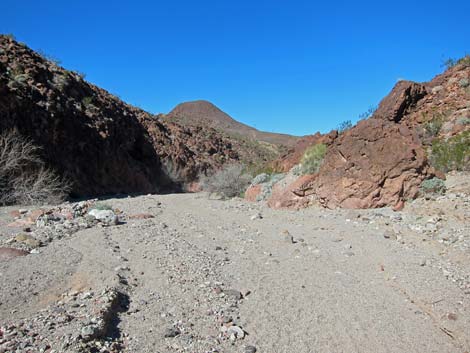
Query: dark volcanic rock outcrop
101, 144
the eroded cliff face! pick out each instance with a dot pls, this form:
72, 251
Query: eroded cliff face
101, 144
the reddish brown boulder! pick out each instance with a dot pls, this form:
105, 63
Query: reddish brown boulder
10, 253
377, 163
292, 192
403, 97
252, 192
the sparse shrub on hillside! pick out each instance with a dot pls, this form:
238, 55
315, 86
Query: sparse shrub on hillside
23, 177
230, 181
464, 83
451, 62
87, 101
451, 154
313, 158
432, 186
368, 113
433, 126
49, 57
344, 126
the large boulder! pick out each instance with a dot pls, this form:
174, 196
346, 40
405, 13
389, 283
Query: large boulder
377, 163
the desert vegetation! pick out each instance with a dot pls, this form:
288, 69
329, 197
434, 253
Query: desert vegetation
312, 159
451, 154
230, 181
24, 179
451, 62
344, 126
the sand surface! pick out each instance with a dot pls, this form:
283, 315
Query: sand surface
304, 281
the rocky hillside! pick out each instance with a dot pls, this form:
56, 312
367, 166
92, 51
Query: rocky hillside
417, 132
101, 144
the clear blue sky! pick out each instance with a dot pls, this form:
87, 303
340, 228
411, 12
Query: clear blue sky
287, 66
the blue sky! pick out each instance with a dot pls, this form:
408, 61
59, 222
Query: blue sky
286, 66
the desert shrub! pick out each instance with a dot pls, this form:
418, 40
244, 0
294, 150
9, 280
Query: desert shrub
260, 179
87, 101
451, 62
48, 57
296, 170
464, 83
24, 179
230, 181
102, 207
432, 186
344, 126
313, 158
451, 154
368, 113
433, 126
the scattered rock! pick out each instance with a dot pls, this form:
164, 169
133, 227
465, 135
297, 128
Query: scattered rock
107, 217
249, 349
237, 295
172, 332
28, 240
236, 332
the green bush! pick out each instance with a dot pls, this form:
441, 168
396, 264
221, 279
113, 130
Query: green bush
433, 126
432, 186
313, 158
451, 154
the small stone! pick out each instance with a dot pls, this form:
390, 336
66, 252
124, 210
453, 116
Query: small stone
390, 235
172, 332
250, 349
88, 331
287, 237
233, 293
107, 217
256, 216
452, 316
28, 240
235, 331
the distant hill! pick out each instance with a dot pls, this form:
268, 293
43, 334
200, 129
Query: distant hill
204, 113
